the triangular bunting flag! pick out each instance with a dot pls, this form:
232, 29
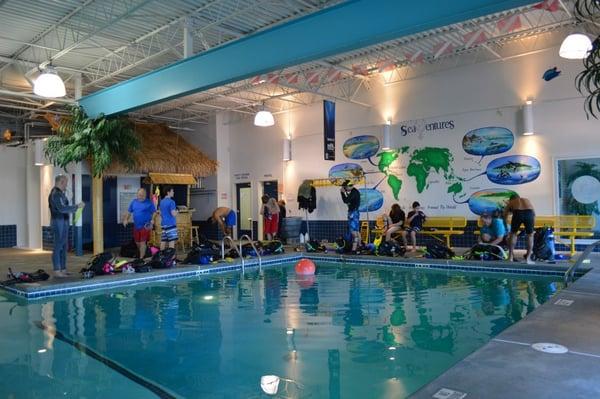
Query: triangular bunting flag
417, 58
442, 49
548, 5
509, 24
474, 38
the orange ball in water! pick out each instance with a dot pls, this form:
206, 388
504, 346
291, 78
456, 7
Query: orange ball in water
305, 267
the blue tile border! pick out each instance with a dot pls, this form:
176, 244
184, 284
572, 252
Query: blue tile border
252, 264
8, 235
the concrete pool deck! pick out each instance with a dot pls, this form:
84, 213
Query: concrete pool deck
30, 261
507, 366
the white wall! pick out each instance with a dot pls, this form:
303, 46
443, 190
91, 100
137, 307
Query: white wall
489, 94
13, 177
204, 137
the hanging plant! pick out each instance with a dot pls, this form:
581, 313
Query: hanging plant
101, 141
588, 80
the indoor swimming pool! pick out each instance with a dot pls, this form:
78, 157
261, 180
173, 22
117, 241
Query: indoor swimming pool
349, 331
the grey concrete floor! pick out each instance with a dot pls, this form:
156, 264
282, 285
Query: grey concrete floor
509, 367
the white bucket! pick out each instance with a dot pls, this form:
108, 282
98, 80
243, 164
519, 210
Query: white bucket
269, 384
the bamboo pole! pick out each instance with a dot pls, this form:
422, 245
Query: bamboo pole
98, 217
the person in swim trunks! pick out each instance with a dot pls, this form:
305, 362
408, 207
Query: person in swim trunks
226, 218
351, 197
523, 213
168, 214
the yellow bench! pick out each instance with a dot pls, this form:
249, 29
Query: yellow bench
574, 226
568, 226
540, 221
445, 226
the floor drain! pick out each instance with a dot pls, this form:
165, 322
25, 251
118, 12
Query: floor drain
564, 302
446, 393
547, 347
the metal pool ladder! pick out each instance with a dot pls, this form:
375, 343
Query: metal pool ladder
570, 274
245, 237
233, 246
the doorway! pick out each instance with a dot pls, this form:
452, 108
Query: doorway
244, 208
270, 189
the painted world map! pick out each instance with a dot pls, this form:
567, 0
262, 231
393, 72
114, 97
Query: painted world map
422, 163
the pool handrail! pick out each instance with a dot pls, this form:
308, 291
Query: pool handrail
233, 246
570, 273
241, 242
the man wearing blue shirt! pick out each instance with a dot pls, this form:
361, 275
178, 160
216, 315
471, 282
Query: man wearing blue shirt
59, 222
141, 210
168, 212
493, 230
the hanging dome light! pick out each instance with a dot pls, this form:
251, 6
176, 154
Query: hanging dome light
264, 118
49, 84
576, 46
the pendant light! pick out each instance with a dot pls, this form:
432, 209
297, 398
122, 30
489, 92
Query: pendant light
576, 46
49, 84
264, 118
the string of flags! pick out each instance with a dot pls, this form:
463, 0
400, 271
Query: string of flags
471, 39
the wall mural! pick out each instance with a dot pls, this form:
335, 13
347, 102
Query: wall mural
345, 171
579, 187
512, 170
371, 200
361, 147
488, 141
425, 166
488, 201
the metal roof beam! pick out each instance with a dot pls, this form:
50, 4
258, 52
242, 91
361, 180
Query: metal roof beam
345, 27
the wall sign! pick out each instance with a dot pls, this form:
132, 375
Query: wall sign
329, 130
242, 176
422, 126
126, 192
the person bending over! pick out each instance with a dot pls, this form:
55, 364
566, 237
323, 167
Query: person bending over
396, 221
141, 210
226, 218
168, 223
523, 213
415, 220
351, 197
493, 230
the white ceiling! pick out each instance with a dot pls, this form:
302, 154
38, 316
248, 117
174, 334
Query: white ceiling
108, 41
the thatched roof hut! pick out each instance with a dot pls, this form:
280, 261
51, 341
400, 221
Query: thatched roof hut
164, 151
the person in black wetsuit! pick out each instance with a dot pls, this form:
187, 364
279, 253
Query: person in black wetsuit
282, 215
351, 197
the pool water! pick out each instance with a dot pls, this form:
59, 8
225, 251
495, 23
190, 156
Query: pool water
348, 332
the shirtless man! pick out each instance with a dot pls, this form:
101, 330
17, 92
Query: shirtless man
522, 214
225, 218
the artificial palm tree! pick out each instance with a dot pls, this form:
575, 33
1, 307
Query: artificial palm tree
100, 141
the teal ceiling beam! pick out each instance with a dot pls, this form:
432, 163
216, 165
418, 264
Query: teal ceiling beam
348, 26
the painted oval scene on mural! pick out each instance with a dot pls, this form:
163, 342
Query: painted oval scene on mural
513, 169
490, 200
371, 200
488, 141
361, 147
346, 171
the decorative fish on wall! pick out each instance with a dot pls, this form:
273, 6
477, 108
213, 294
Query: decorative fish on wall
551, 74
